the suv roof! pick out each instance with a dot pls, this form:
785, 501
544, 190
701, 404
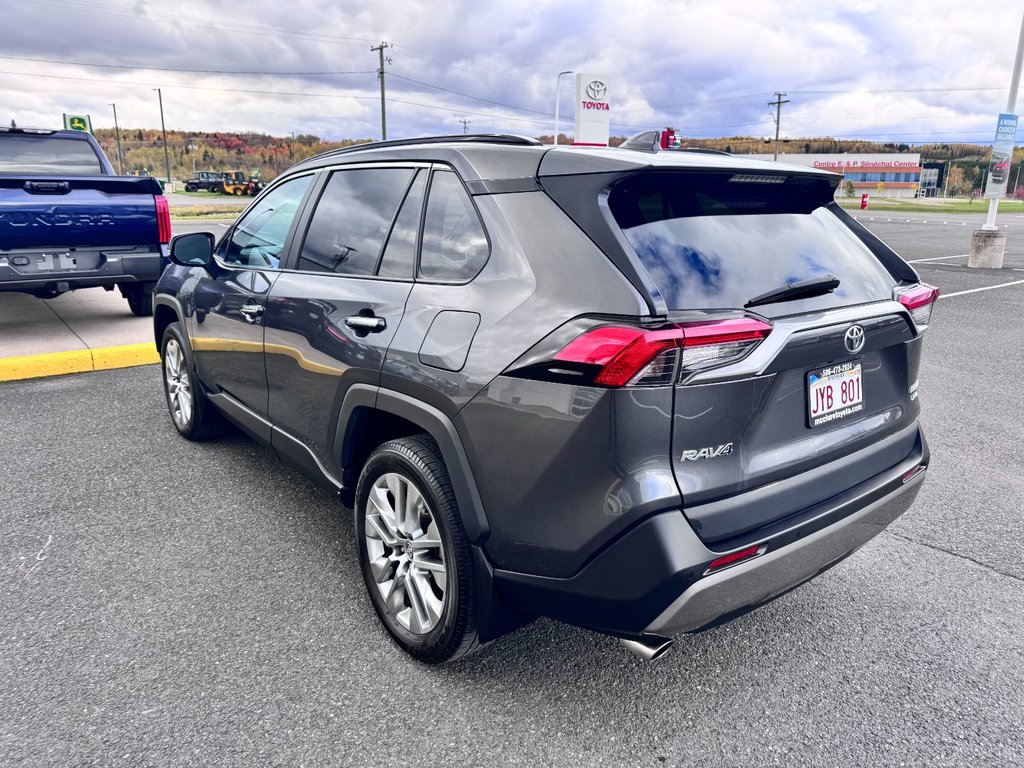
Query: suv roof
492, 157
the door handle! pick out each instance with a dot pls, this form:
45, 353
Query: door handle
366, 323
251, 312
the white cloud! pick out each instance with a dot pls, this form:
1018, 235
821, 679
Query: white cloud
706, 67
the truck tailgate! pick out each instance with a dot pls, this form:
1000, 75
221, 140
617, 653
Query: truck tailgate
84, 211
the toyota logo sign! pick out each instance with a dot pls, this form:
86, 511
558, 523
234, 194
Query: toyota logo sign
596, 90
854, 339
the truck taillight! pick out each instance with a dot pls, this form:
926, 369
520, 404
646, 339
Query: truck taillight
630, 356
919, 300
163, 219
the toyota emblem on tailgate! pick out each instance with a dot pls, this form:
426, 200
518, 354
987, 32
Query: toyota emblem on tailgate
854, 339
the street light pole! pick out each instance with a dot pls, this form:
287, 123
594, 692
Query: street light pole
558, 97
163, 129
988, 244
1011, 103
117, 135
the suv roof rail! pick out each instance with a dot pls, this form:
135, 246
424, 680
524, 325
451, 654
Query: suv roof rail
460, 138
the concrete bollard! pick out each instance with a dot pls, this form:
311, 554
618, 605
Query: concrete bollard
987, 248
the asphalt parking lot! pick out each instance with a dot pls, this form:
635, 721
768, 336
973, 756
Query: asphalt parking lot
178, 604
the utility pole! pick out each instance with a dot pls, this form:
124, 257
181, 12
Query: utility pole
465, 125
117, 135
380, 74
779, 101
167, 157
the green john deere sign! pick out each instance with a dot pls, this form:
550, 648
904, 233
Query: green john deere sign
78, 123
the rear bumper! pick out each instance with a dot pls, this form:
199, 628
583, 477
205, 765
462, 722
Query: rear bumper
749, 584
655, 580
113, 267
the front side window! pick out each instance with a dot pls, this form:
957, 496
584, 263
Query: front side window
259, 237
351, 220
455, 247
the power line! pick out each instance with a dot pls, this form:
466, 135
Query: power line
418, 53
467, 95
955, 89
186, 70
437, 107
274, 32
203, 22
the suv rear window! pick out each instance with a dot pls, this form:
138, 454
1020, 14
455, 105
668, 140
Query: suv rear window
711, 242
47, 156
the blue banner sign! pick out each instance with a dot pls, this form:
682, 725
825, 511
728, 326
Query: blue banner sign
1002, 156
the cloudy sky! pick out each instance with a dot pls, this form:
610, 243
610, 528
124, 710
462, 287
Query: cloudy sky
912, 71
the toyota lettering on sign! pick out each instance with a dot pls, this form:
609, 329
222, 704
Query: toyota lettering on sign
593, 111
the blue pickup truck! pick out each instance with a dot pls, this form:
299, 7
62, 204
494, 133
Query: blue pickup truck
67, 221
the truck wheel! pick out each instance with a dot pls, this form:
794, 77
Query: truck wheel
414, 553
193, 415
238, 191
140, 298
190, 187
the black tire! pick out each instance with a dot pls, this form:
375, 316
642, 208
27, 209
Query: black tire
204, 421
454, 634
190, 187
238, 191
140, 298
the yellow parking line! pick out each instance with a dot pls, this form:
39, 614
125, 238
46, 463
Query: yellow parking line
78, 361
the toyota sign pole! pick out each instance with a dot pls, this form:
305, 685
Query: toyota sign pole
988, 244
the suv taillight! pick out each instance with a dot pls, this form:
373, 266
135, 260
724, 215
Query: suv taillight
629, 356
919, 300
163, 219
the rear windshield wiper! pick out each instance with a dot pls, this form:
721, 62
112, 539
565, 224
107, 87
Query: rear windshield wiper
805, 289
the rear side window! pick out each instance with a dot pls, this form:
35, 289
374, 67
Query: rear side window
709, 241
48, 156
351, 220
454, 247
399, 259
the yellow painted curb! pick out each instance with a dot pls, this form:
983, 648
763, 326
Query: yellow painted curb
78, 361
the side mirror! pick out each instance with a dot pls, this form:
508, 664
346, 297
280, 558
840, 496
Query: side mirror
192, 250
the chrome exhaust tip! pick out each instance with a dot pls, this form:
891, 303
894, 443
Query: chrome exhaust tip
648, 647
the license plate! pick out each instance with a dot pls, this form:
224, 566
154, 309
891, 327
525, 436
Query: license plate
834, 393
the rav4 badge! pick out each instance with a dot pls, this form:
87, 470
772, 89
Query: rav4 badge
708, 453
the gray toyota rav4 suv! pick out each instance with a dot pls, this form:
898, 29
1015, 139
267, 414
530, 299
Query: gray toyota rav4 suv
642, 392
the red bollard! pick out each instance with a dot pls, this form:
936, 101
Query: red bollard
864, 201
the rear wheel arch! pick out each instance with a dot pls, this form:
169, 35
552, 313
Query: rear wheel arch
368, 413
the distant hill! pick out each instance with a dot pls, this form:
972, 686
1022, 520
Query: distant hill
143, 151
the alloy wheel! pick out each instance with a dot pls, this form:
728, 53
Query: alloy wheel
405, 553
179, 388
